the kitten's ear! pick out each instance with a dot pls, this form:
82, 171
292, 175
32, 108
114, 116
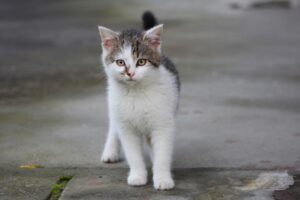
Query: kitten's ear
108, 37
153, 35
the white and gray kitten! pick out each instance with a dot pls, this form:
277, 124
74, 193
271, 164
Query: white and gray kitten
143, 91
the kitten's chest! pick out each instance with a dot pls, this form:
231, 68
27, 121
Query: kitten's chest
135, 107
139, 109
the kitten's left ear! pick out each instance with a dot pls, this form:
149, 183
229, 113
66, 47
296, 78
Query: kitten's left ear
153, 36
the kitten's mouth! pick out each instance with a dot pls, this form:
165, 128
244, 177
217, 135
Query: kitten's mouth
130, 79
130, 82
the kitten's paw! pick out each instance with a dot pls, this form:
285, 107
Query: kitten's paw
110, 157
163, 183
137, 179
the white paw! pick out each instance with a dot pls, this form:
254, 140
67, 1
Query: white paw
137, 179
163, 183
110, 157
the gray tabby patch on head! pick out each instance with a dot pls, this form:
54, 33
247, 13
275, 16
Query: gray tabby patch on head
140, 47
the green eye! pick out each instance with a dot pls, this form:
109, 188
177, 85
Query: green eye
141, 62
120, 62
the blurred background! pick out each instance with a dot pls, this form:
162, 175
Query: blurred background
239, 63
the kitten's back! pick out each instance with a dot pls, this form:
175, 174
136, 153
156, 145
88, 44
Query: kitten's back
169, 65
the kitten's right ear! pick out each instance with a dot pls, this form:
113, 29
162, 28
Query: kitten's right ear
108, 37
153, 36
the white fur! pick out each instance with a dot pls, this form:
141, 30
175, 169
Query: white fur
142, 108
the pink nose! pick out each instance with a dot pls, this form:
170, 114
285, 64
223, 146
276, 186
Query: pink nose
130, 74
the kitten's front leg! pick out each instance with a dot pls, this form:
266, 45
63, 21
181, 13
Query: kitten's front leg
162, 144
132, 145
111, 153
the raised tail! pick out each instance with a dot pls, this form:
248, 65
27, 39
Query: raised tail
149, 20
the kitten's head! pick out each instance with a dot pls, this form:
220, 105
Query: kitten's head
131, 56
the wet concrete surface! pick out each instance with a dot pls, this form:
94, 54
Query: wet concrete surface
240, 100
24, 184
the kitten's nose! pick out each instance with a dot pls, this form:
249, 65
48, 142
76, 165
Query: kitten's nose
130, 74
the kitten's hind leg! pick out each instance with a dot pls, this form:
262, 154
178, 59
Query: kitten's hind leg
111, 153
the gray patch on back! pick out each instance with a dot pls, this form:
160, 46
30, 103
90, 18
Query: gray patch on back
169, 65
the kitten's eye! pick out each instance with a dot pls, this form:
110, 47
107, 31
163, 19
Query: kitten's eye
120, 62
141, 62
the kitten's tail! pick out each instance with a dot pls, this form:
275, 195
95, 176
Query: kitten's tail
149, 20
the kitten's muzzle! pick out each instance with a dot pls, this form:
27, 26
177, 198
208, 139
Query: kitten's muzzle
129, 74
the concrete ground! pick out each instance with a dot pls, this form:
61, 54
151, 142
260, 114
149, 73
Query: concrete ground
240, 100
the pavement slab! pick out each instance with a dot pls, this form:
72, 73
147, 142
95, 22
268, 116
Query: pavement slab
200, 184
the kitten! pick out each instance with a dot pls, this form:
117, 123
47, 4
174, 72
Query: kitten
143, 91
